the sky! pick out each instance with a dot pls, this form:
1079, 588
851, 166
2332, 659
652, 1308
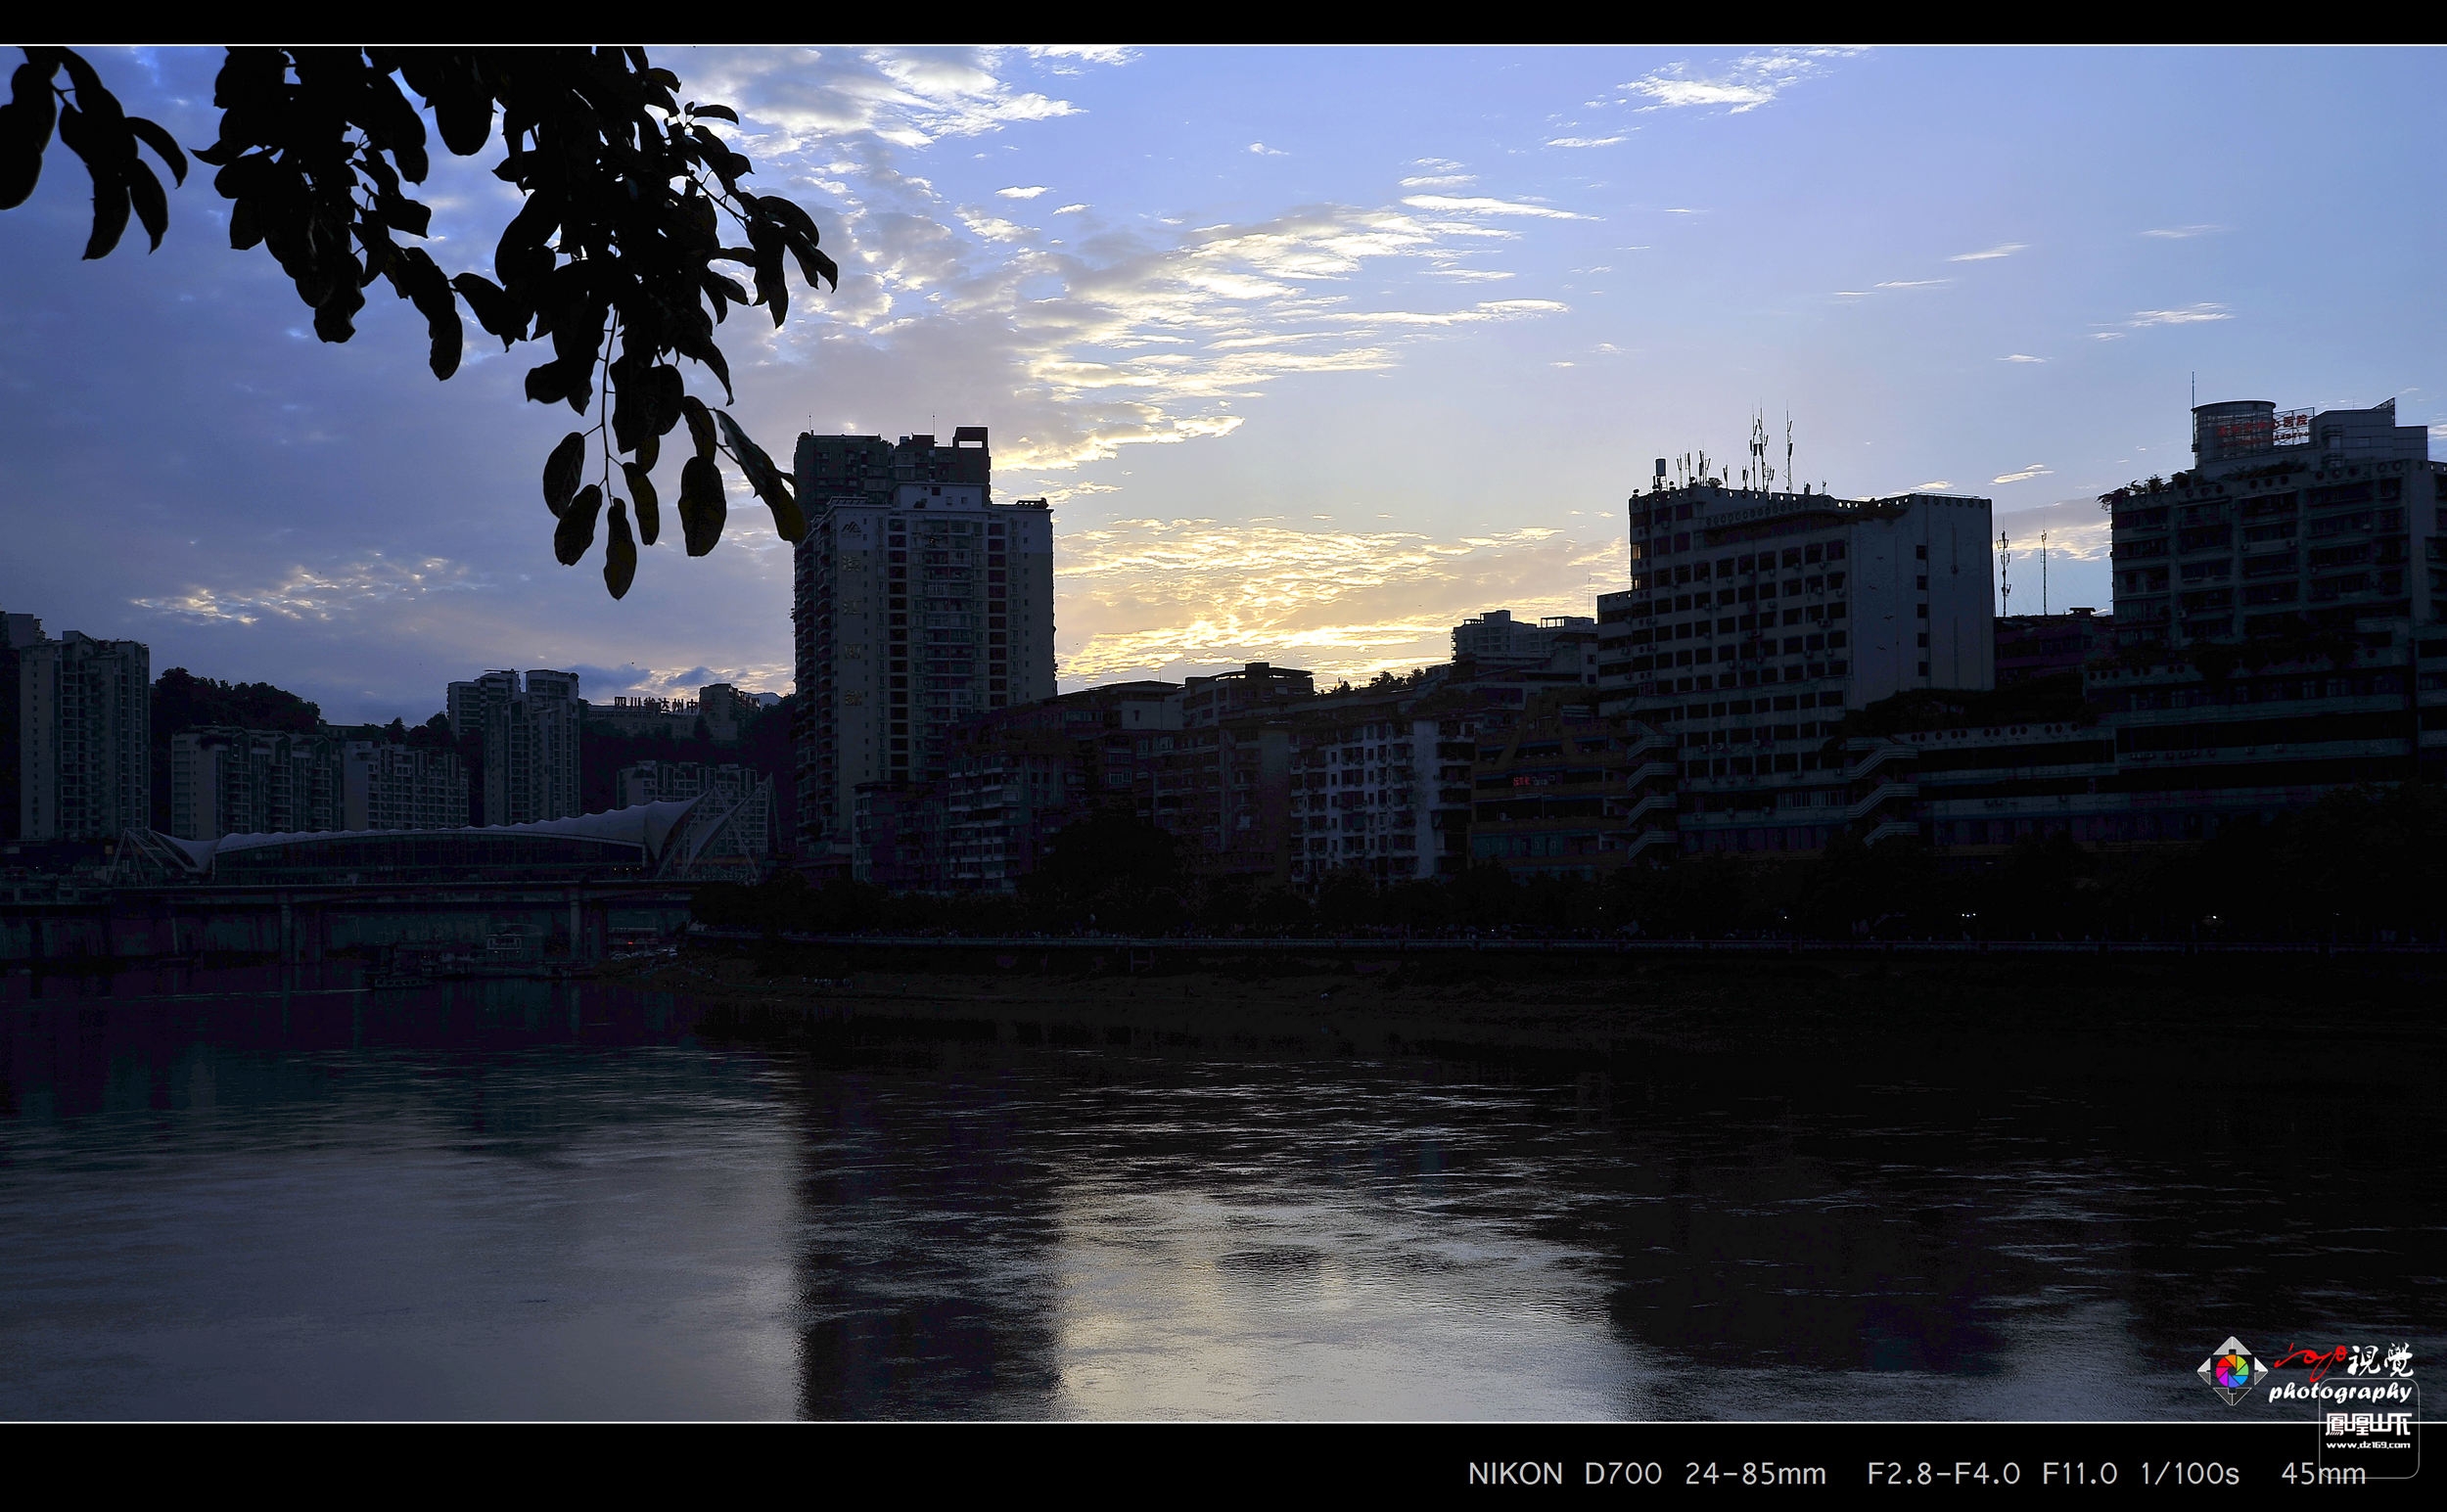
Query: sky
1315, 352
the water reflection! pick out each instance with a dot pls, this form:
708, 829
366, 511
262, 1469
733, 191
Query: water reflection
249, 1198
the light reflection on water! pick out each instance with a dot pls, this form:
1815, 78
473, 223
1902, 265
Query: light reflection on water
521, 1200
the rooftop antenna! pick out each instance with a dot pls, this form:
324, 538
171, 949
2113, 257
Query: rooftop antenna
2043, 574
2005, 577
1788, 448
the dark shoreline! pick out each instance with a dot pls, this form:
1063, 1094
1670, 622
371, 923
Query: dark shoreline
1844, 1014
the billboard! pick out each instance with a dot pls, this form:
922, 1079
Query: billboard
2293, 427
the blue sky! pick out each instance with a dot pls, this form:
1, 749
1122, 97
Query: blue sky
1314, 351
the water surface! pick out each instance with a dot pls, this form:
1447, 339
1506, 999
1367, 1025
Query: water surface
234, 1196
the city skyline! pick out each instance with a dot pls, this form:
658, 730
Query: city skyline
1331, 366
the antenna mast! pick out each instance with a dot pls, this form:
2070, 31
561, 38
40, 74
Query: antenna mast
2043, 573
2005, 577
1788, 449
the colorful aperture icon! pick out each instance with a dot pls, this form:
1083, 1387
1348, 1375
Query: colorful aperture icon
2231, 1370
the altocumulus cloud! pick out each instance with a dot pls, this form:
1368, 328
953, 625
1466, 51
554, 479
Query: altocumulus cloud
1080, 342
1158, 597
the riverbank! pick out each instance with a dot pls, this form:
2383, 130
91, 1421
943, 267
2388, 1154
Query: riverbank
2198, 1018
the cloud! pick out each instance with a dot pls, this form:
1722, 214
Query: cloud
2183, 233
1480, 205
2186, 316
2034, 470
1747, 83
1933, 485
1162, 597
1029, 193
1915, 283
907, 97
2001, 250
320, 594
1070, 209
2106, 336
1585, 141
1263, 151
2076, 532
1440, 181
2020, 356
1144, 334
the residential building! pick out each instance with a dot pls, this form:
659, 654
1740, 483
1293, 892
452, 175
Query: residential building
1016, 777
2032, 646
725, 710
16, 631
1615, 648
1496, 641
1209, 699
84, 725
919, 603
743, 793
393, 787
229, 780
529, 733
2307, 520
1382, 786
1560, 790
1757, 618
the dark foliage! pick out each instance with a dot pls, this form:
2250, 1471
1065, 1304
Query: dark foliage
183, 702
764, 745
2362, 865
616, 257
1112, 871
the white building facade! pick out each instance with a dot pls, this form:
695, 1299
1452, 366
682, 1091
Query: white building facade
1755, 619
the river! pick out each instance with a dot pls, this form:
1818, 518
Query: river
230, 1196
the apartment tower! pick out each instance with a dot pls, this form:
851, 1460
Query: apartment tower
919, 603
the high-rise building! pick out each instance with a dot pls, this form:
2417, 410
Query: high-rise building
84, 727
229, 780
16, 632
2309, 519
1756, 619
919, 603
531, 741
389, 787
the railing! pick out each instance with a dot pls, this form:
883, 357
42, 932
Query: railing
1882, 793
1783, 945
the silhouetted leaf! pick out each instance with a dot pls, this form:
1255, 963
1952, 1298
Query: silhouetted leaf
649, 509
701, 505
25, 131
616, 238
561, 471
577, 530
700, 425
491, 307
619, 554
163, 145
152, 209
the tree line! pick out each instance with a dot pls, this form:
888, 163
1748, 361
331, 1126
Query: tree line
2362, 865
